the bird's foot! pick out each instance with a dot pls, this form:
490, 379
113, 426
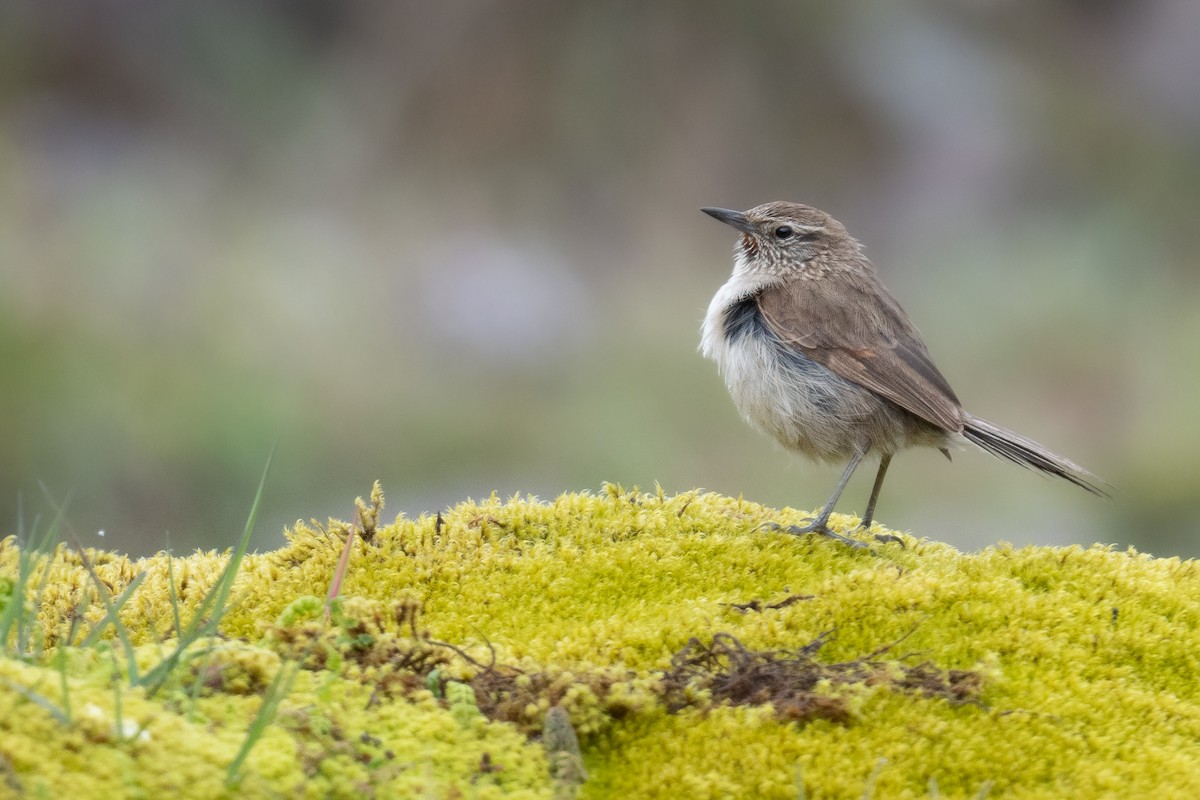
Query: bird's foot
882, 538
816, 526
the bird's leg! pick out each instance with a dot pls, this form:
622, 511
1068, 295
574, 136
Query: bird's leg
869, 516
821, 523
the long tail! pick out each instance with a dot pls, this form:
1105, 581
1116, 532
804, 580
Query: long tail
1005, 444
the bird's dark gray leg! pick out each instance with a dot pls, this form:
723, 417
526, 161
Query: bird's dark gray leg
869, 517
821, 523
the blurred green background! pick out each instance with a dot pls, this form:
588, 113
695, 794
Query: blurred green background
456, 247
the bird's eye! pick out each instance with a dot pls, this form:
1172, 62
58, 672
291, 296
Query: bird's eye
784, 232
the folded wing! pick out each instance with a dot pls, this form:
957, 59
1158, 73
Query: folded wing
858, 330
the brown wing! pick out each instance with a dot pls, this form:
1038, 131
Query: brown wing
853, 326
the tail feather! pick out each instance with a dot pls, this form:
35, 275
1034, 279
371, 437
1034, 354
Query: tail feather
1014, 447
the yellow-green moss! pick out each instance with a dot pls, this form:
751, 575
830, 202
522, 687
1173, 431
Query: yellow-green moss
1088, 661
328, 740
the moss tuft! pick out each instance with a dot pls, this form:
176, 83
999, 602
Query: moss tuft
621, 644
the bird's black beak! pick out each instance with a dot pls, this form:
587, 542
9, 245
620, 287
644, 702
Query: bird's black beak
735, 218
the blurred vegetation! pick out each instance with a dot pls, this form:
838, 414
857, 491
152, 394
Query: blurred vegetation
457, 248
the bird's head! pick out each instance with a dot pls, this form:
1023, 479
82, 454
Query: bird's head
787, 239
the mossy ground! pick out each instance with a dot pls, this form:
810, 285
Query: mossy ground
693, 654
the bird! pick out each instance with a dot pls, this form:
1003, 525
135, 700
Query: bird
818, 354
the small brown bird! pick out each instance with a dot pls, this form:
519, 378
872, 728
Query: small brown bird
817, 353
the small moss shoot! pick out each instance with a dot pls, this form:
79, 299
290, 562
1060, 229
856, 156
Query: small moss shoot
621, 644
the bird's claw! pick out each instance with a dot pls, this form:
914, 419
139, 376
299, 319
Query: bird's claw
815, 527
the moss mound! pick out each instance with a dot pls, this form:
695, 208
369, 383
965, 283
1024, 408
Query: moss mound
622, 645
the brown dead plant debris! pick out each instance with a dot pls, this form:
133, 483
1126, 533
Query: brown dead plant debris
795, 683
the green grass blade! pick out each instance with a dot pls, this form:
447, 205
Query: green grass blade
281, 684
76, 618
35, 697
64, 686
214, 604
28, 551
113, 615
225, 584
101, 587
173, 592
22, 643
